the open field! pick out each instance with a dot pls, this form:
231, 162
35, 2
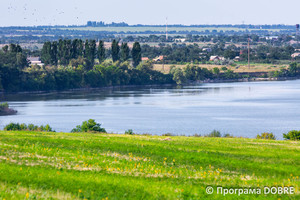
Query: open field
111, 166
242, 68
160, 29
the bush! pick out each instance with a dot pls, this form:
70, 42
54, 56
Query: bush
167, 134
266, 136
12, 127
89, 126
129, 132
227, 135
292, 135
29, 127
3, 106
214, 133
197, 135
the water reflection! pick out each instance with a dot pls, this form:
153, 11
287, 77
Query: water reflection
241, 109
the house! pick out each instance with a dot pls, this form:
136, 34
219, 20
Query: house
159, 58
295, 55
35, 61
207, 49
272, 38
213, 58
237, 58
145, 58
180, 39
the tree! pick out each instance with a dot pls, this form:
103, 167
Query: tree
5, 48
53, 53
216, 71
89, 126
92, 52
136, 54
89, 53
101, 51
46, 53
115, 49
124, 52
178, 76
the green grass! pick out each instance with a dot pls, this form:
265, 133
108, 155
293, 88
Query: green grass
110, 166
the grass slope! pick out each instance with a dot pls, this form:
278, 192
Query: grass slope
111, 166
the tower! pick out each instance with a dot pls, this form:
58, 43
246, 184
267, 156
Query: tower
297, 33
167, 29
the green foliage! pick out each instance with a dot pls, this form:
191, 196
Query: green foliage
224, 69
89, 126
136, 54
178, 76
124, 52
30, 127
267, 136
129, 132
101, 51
115, 50
292, 135
216, 71
3, 105
227, 135
214, 133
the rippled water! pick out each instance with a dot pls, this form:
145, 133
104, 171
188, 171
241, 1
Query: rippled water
242, 109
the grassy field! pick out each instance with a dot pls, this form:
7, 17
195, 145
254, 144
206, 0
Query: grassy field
239, 68
111, 166
160, 29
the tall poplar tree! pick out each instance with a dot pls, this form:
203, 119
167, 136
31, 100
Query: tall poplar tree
115, 50
136, 54
124, 52
101, 51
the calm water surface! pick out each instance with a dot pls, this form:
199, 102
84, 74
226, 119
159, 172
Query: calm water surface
242, 109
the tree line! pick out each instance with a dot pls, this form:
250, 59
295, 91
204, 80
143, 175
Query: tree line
71, 68
65, 51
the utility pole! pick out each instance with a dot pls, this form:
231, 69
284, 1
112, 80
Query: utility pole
297, 34
249, 53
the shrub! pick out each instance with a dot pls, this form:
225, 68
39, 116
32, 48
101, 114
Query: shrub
29, 127
167, 134
227, 135
197, 135
214, 133
292, 135
266, 136
3, 106
129, 132
89, 126
12, 127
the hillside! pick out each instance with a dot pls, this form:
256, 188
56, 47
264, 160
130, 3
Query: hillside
111, 166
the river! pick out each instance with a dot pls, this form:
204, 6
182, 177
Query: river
241, 109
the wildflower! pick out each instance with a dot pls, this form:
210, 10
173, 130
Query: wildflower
79, 190
27, 195
58, 173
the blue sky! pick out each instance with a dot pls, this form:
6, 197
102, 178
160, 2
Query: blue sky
68, 12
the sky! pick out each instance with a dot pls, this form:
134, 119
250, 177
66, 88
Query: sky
78, 12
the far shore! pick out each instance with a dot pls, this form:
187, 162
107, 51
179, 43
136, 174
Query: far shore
254, 79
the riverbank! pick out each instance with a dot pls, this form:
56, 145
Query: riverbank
5, 110
254, 79
113, 166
